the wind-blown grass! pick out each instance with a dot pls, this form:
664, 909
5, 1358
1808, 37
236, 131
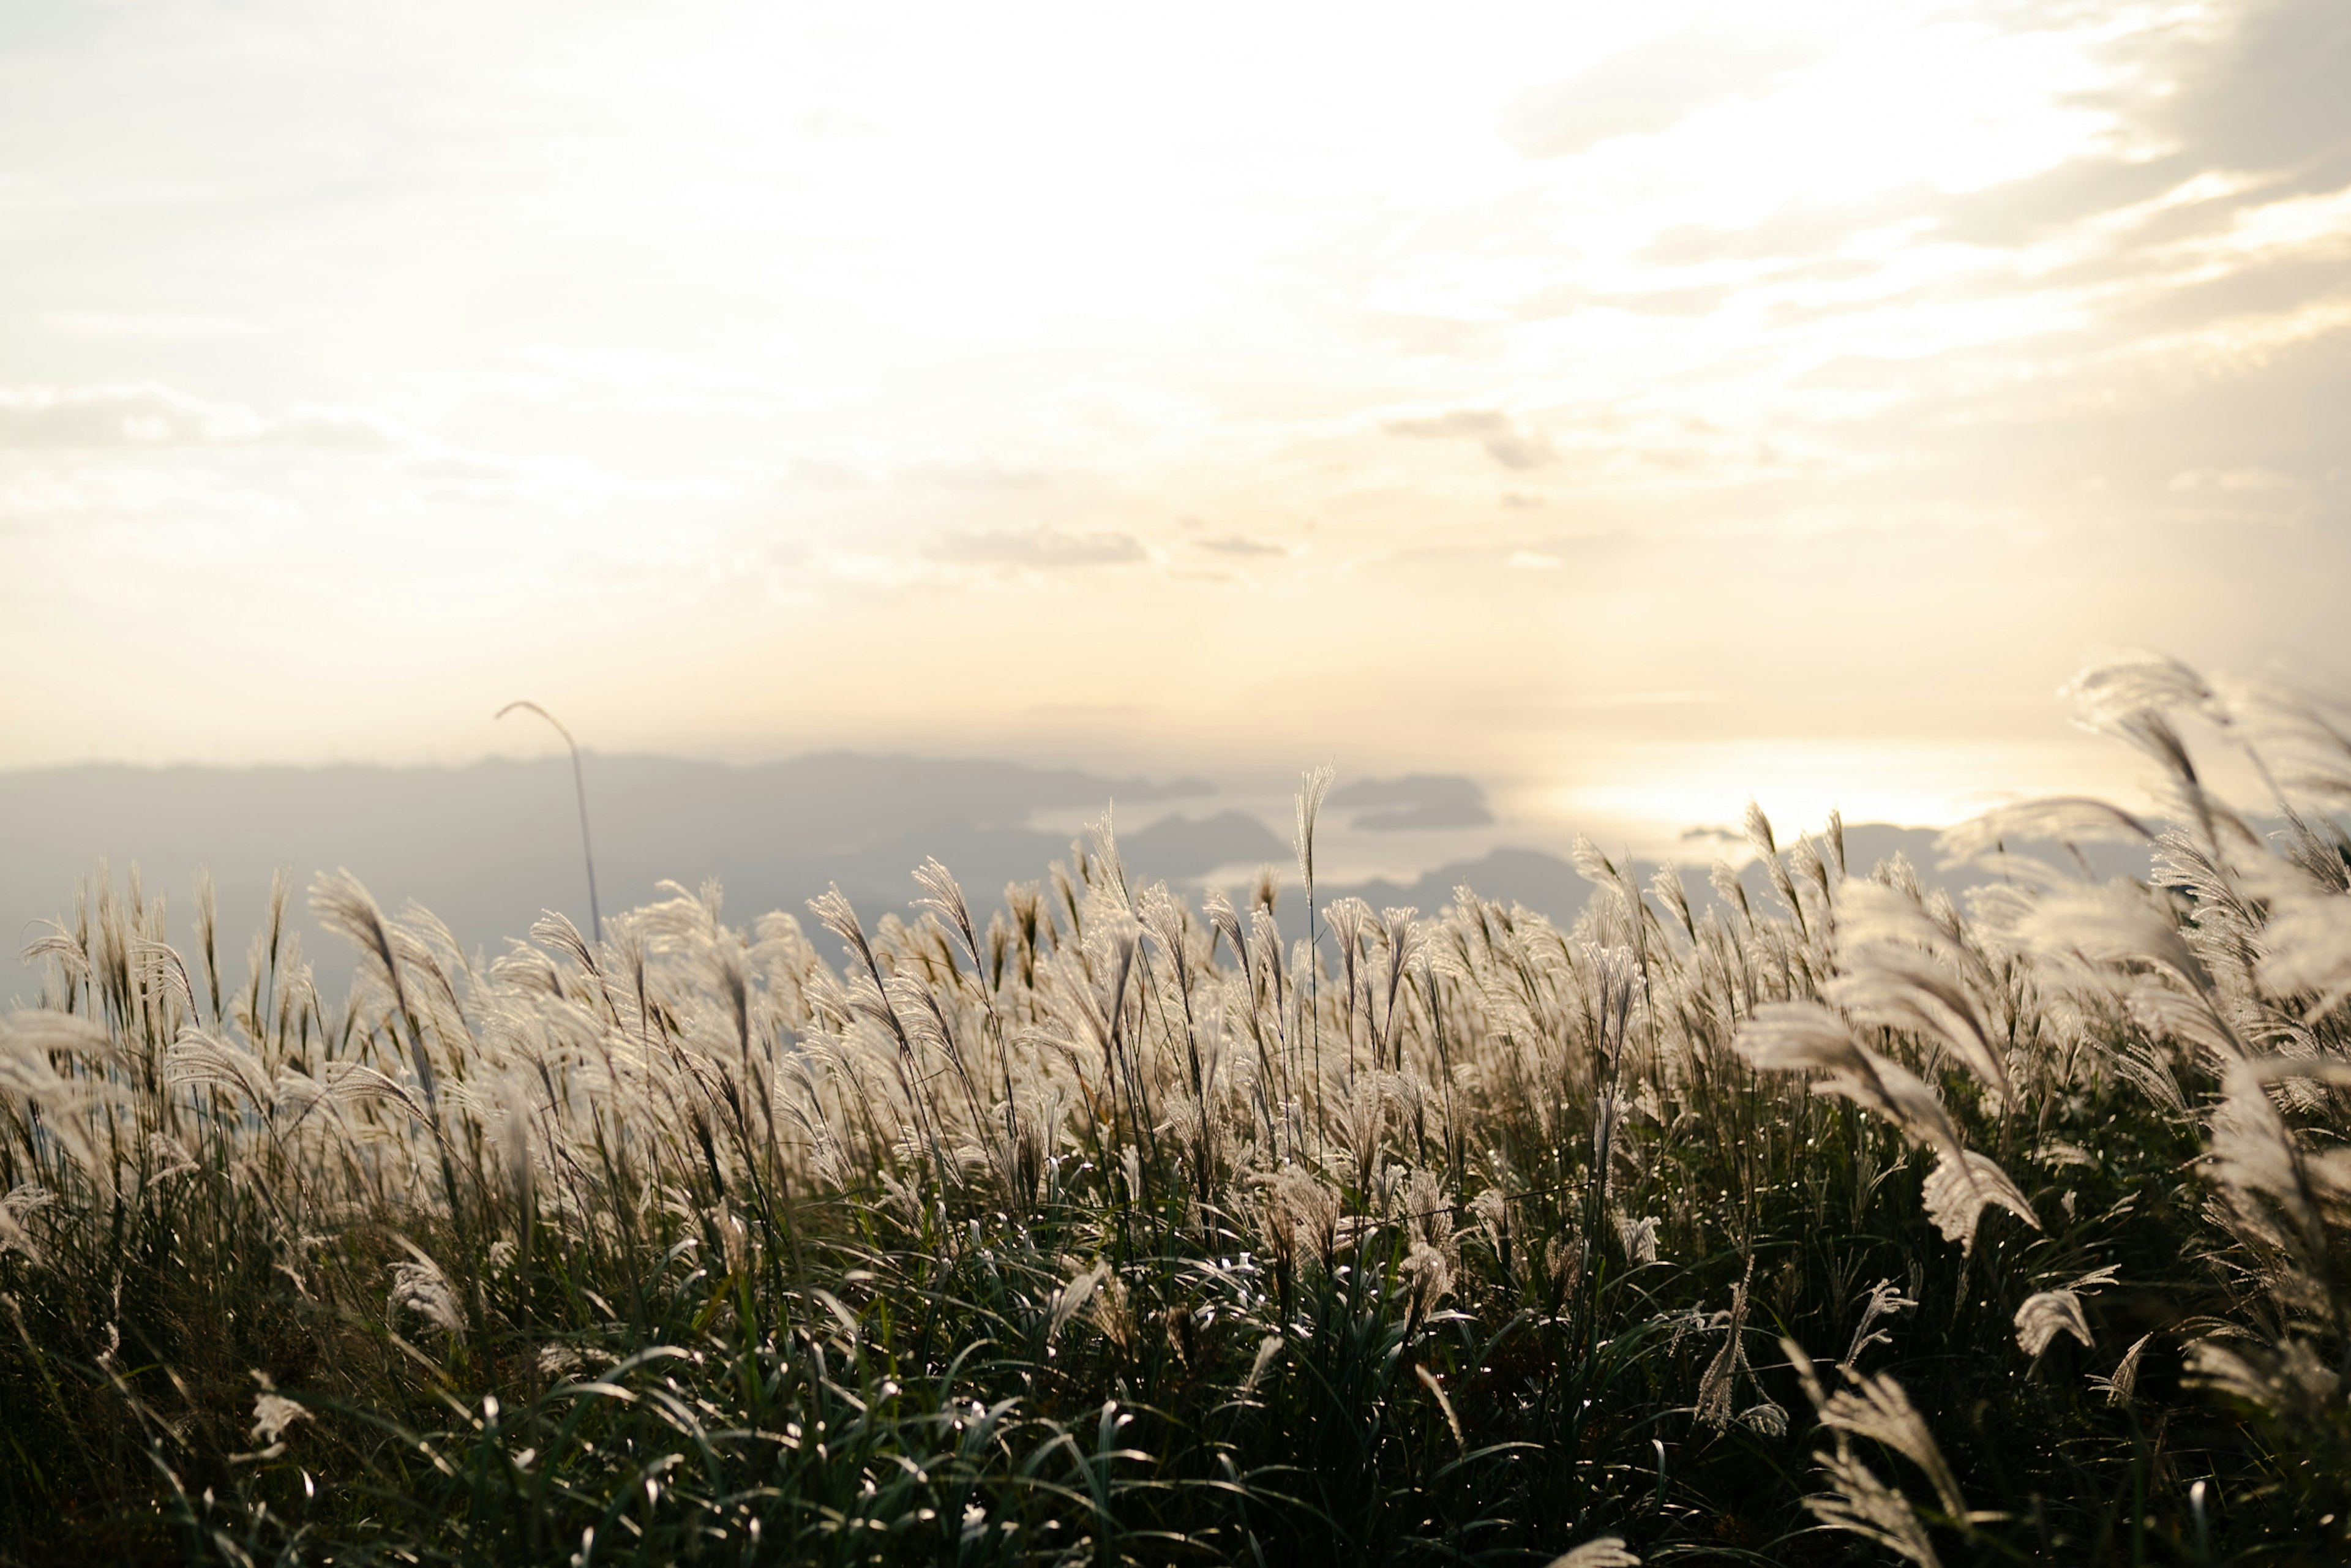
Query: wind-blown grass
1849, 1228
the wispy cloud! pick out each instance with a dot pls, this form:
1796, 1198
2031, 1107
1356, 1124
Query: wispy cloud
1239, 545
1501, 438
157, 327
972, 476
1040, 548
1652, 87
824, 474
148, 414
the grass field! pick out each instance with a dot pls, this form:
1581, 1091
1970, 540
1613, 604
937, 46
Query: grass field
1845, 1226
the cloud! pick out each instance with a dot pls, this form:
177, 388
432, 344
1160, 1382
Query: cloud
1040, 549
148, 326
2016, 212
1800, 231
2239, 108
146, 415
2260, 100
822, 474
1503, 441
335, 430
1463, 422
1414, 801
1241, 545
1513, 450
2271, 98
117, 416
1649, 87
2249, 495
2229, 480
983, 475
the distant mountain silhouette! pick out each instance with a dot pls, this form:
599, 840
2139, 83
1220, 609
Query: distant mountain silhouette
1414, 801
488, 847
1182, 847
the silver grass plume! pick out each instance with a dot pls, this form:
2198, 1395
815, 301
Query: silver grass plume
1311, 789
1105, 832
1960, 1188
1861, 1504
419, 1285
1767, 851
2125, 681
1858, 1500
163, 972
273, 1412
1788, 1037
1666, 887
1639, 1240
1795, 1037
1888, 949
2044, 1316
1429, 1216
2061, 820
1427, 1279
1732, 892
1223, 920
21, 1200
208, 1061
943, 895
2255, 1156
1884, 1301
2122, 1385
1436, 1386
2306, 944
40, 1032
2129, 696
341, 904
1720, 1380
28, 1075
2290, 1380
1267, 1349
61, 946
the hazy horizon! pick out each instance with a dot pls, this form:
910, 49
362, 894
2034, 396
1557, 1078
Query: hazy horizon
488, 846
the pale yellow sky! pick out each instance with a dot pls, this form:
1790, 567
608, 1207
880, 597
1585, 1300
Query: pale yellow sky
1637, 407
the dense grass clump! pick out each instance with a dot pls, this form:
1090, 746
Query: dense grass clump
1848, 1228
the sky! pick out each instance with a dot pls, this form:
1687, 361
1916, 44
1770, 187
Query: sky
1636, 408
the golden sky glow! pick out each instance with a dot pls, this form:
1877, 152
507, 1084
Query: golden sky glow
1634, 406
